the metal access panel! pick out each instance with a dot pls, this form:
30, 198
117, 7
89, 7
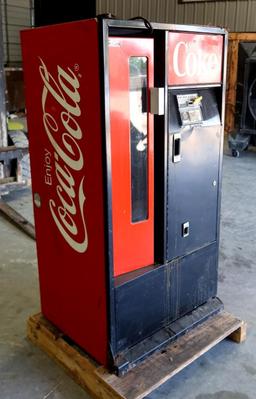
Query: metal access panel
193, 169
193, 280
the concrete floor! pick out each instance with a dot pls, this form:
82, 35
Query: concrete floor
226, 372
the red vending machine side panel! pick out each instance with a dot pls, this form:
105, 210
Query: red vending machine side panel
195, 58
61, 65
132, 152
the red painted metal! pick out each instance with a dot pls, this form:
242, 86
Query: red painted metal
133, 242
194, 58
61, 65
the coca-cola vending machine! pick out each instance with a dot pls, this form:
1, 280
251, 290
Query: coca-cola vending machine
125, 124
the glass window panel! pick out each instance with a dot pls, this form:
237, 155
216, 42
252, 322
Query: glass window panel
138, 67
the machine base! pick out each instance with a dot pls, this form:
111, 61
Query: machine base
148, 375
129, 358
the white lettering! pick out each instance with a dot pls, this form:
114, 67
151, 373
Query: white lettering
193, 62
69, 214
176, 68
47, 167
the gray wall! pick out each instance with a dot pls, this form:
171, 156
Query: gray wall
235, 15
16, 15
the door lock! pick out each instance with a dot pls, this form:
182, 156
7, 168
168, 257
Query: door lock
176, 147
185, 229
37, 200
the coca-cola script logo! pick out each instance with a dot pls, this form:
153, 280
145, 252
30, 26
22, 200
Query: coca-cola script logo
194, 62
64, 133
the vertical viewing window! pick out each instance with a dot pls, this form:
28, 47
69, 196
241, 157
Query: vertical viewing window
138, 67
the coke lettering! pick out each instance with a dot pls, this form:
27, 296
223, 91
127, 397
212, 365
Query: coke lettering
196, 63
64, 133
194, 59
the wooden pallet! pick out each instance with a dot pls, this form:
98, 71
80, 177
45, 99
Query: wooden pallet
147, 376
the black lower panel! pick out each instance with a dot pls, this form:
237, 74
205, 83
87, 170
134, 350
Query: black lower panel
193, 280
131, 357
140, 307
153, 300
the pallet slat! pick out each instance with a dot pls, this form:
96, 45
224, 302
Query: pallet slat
79, 366
17, 219
147, 376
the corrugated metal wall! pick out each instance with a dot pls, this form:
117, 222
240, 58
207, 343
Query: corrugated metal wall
16, 15
235, 15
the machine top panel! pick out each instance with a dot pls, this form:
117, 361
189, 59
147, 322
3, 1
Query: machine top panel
194, 59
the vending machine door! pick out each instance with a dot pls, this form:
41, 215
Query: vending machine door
132, 170
195, 136
193, 170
